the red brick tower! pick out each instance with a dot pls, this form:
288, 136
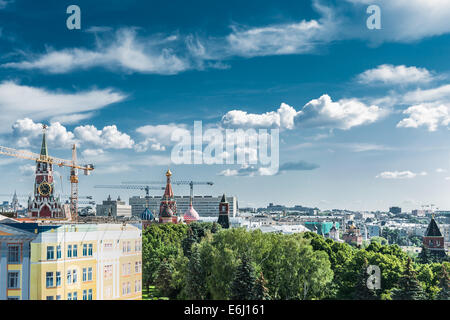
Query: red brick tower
433, 239
44, 204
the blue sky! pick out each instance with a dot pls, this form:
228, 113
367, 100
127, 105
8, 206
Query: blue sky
365, 122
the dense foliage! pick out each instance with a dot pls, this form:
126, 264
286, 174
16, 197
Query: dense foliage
203, 261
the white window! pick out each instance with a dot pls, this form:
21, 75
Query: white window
13, 279
49, 279
84, 274
74, 277
50, 253
58, 278
69, 277
14, 254
89, 274
75, 297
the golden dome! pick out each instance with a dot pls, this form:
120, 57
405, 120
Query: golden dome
168, 173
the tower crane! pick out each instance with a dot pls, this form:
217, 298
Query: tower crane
132, 187
179, 182
72, 164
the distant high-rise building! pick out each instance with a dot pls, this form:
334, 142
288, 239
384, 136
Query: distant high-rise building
206, 206
15, 203
224, 220
395, 210
113, 208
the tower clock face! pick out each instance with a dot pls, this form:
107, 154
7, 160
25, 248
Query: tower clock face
44, 189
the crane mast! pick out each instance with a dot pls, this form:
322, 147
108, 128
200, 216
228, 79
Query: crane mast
74, 185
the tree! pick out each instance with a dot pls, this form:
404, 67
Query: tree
362, 291
409, 287
187, 242
260, 290
382, 241
444, 285
195, 277
163, 279
243, 285
159, 242
425, 255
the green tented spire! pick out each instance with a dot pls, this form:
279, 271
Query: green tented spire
44, 144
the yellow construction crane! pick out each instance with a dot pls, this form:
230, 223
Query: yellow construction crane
72, 164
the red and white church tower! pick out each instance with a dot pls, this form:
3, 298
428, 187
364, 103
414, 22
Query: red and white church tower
44, 204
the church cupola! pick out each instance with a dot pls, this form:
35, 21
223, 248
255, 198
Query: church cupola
168, 206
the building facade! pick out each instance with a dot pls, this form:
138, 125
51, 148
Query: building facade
14, 262
206, 206
113, 208
74, 261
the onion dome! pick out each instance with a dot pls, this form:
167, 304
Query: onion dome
191, 215
147, 215
166, 212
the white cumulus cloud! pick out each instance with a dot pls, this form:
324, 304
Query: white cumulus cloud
390, 74
282, 118
108, 137
27, 132
342, 114
429, 115
157, 137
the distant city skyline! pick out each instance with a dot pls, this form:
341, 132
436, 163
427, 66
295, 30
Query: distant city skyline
363, 114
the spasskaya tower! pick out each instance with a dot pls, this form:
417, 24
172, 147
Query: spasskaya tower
44, 203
